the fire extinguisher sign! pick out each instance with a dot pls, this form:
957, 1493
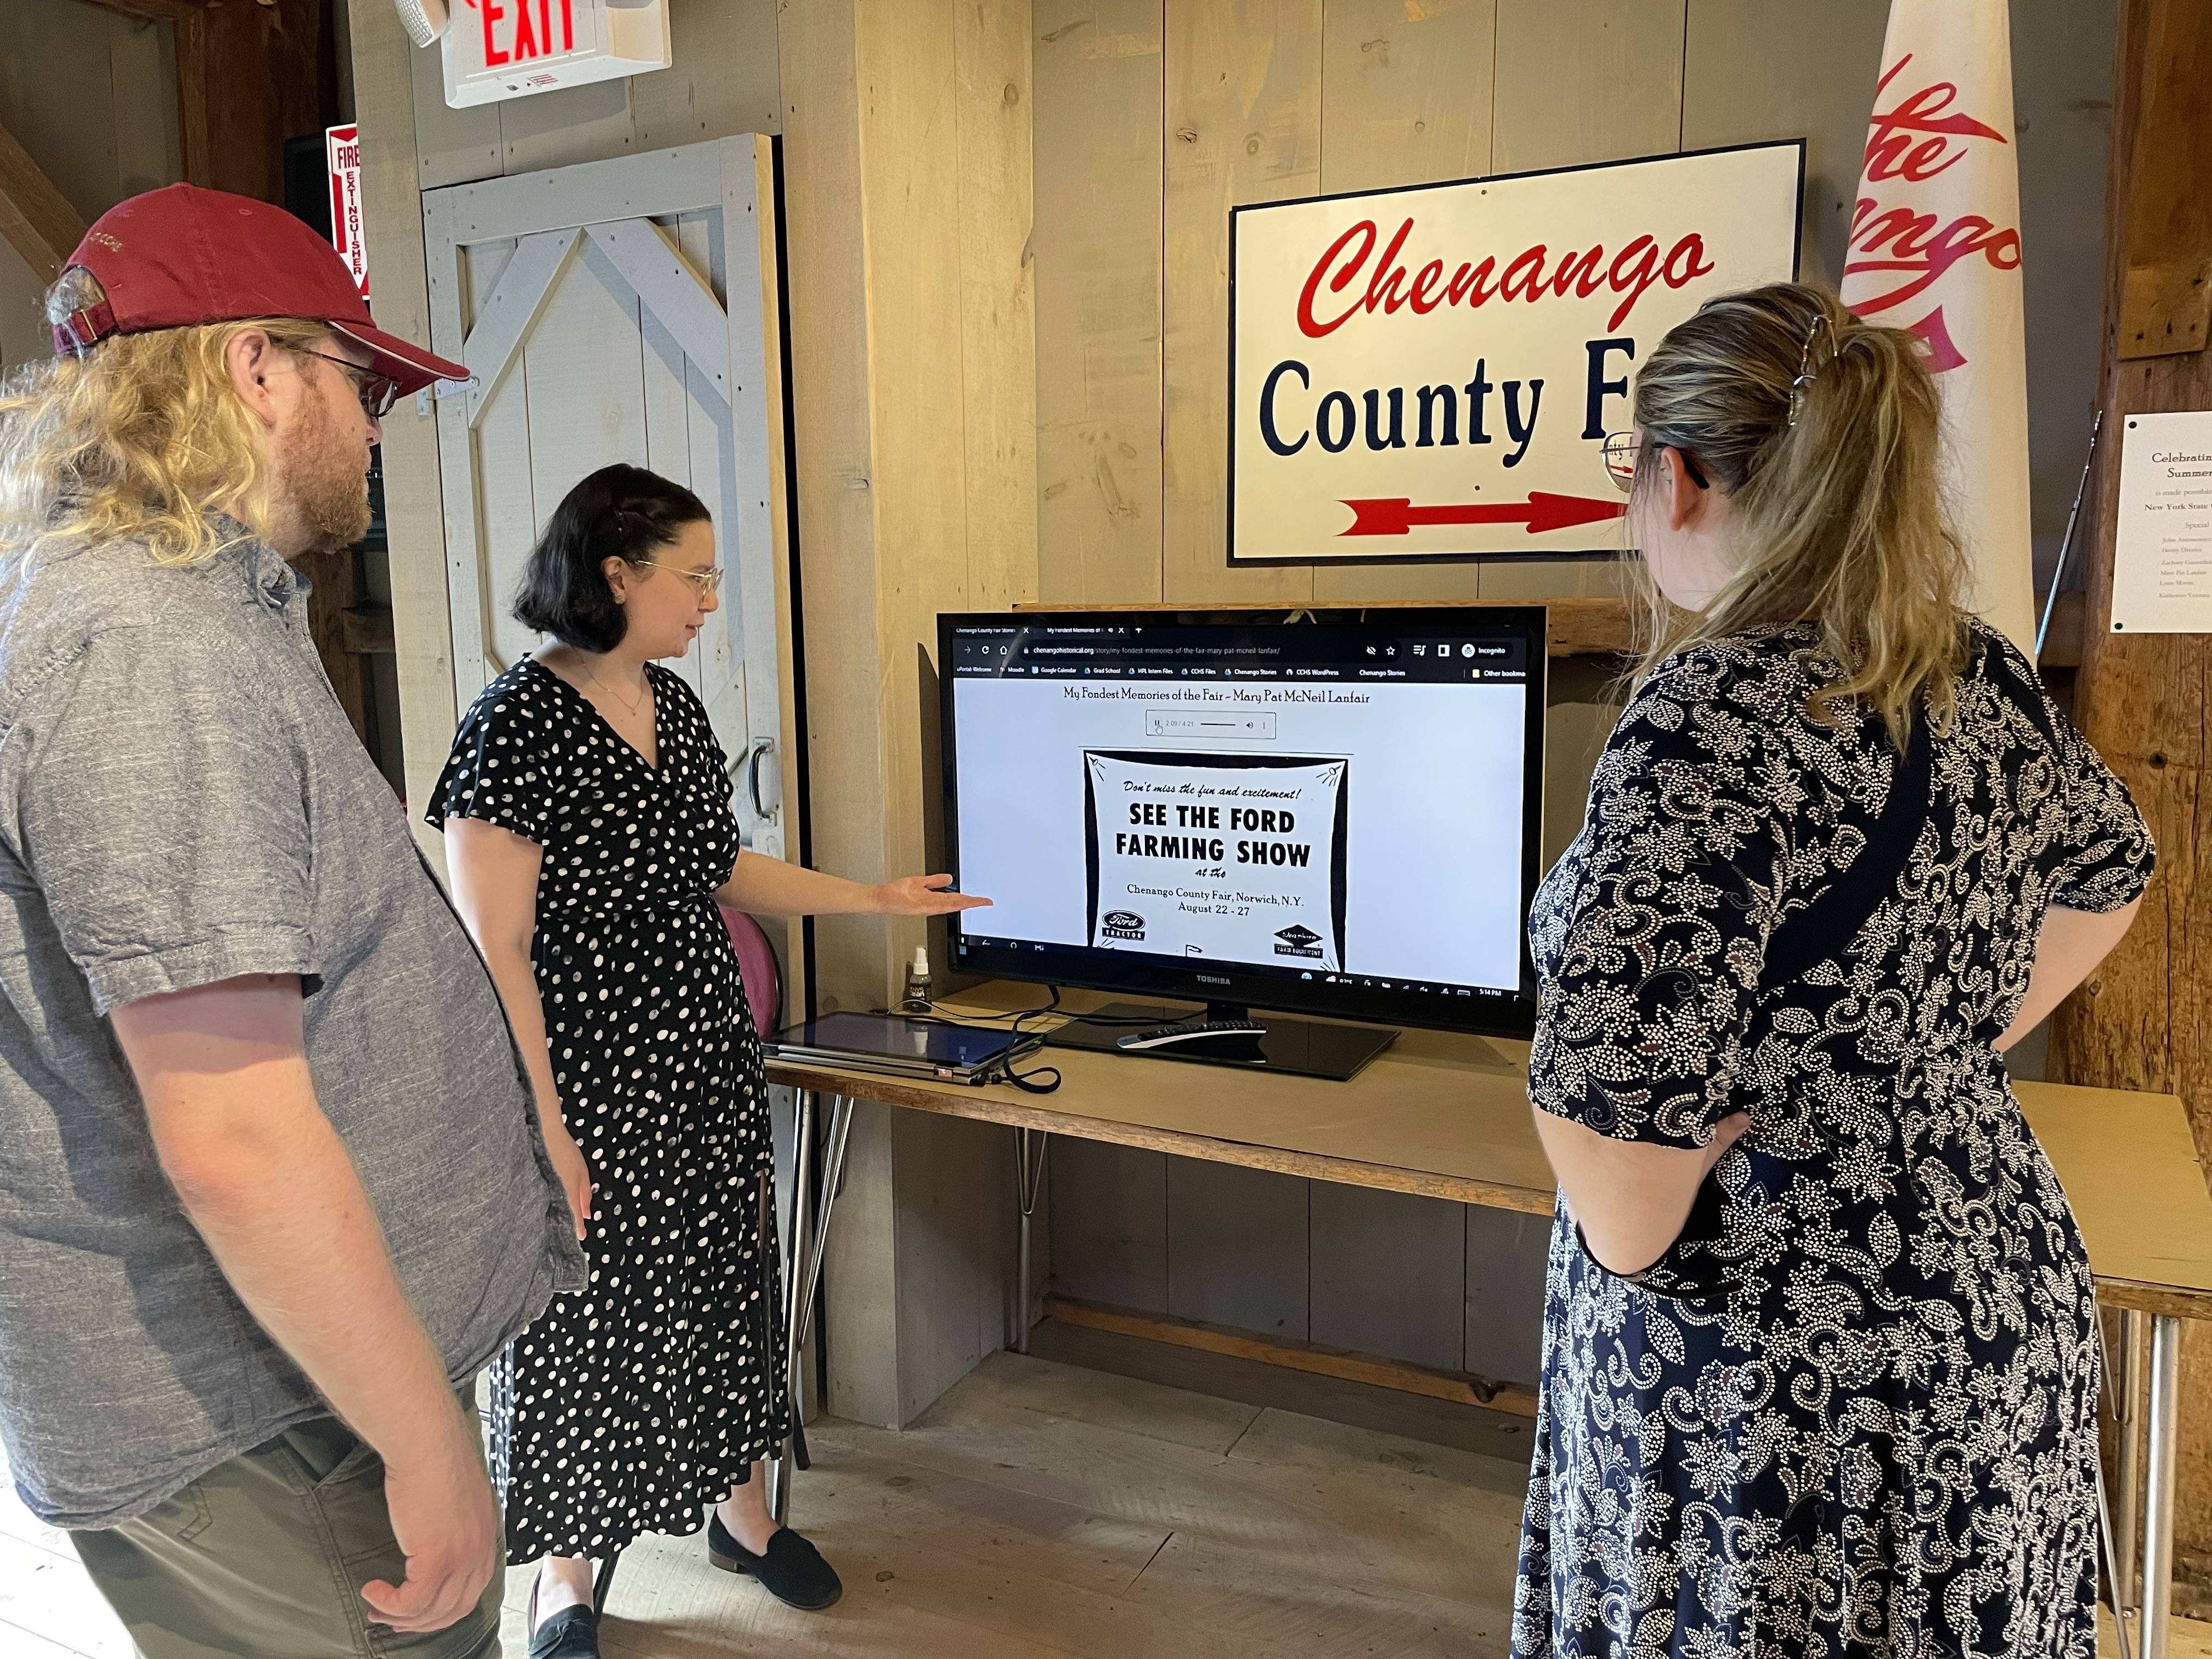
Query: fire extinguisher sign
342, 145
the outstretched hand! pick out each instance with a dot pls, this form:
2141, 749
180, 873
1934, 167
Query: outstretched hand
923, 896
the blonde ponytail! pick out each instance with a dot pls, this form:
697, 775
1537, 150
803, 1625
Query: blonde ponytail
1827, 451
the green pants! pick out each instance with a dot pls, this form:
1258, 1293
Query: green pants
264, 1558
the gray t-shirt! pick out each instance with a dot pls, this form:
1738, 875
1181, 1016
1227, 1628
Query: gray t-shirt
183, 801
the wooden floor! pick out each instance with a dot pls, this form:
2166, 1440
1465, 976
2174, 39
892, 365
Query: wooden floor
1048, 1508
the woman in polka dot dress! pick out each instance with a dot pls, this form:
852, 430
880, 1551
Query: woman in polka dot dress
589, 835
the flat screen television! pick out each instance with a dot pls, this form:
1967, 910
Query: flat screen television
1322, 812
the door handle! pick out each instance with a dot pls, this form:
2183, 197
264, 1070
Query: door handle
760, 750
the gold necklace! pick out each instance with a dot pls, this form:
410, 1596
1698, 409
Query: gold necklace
633, 707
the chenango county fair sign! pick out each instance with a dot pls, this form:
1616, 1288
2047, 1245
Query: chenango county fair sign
1430, 373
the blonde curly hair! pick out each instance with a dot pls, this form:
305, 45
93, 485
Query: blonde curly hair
142, 437
1839, 514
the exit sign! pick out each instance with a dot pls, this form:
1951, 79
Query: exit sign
501, 49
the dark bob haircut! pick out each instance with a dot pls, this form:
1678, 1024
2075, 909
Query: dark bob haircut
619, 512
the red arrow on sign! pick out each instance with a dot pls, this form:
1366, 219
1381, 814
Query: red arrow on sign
1395, 515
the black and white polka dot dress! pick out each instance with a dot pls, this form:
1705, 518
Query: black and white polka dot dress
637, 1401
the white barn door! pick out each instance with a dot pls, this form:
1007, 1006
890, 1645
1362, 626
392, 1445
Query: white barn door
621, 311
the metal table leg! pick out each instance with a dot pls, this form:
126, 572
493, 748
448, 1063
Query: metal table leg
2158, 1508
1030, 1146
2111, 1562
798, 1246
833, 1182
2127, 1526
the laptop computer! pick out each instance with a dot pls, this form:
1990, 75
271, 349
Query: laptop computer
903, 1047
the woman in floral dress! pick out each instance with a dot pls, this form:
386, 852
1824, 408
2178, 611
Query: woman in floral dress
1820, 1356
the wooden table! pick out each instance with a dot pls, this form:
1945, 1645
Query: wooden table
2129, 1164
1447, 1117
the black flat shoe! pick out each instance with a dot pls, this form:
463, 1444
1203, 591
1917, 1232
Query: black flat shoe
571, 1634
791, 1569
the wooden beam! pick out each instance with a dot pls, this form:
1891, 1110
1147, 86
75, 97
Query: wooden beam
2144, 1019
1461, 1388
189, 20
672, 290
193, 138
391, 215
2145, 700
511, 311
2166, 259
248, 78
35, 218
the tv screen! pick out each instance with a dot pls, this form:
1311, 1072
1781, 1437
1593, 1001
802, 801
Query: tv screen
1333, 815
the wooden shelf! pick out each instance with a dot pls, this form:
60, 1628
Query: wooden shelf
1447, 1117
1460, 1387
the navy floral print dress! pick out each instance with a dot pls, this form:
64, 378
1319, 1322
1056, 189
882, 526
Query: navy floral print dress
1852, 1411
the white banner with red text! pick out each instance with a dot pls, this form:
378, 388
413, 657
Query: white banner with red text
1431, 372
1935, 248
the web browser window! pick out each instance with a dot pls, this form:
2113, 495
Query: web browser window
1343, 804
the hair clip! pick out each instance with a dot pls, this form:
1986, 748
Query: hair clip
1806, 372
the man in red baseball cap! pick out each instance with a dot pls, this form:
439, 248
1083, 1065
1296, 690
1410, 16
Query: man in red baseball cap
272, 1190
182, 257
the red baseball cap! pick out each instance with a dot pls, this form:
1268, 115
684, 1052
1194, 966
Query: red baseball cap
182, 256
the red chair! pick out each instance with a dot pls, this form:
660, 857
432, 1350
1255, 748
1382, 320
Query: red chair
759, 971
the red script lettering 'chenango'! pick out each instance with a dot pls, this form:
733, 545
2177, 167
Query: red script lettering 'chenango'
1531, 274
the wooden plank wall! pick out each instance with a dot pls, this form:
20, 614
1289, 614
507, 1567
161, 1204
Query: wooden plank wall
907, 197
945, 142
1155, 116
384, 93
2146, 700
906, 169
1096, 246
726, 80
966, 179
91, 95
1225, 103
914, 396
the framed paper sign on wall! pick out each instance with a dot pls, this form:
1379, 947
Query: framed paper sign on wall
1429, 372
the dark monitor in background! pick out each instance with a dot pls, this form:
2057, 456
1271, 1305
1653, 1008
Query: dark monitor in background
1335, 815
